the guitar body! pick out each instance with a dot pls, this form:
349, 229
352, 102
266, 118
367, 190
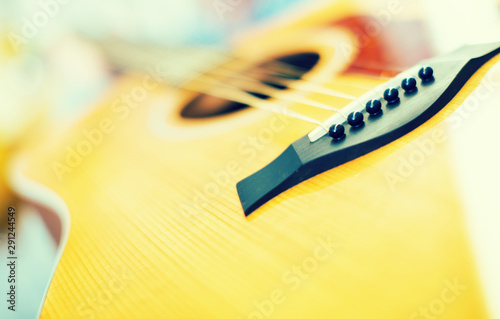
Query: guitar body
156, 226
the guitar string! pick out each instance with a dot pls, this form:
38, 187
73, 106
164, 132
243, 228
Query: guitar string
299, 85
297, 76
337, 81
115, 51
287, 70
254, 85
288, 75
300, 71
231, 93
276, 94
279, 71
285, 67
241, 95
227, 92
283, 77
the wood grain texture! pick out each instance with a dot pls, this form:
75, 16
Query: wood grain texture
135, 251
157, 230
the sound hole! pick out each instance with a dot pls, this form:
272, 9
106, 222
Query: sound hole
290, 67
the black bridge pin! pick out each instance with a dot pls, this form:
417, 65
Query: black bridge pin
426, 74
409, 85
337, 132
374, 107
391, 96
356, 119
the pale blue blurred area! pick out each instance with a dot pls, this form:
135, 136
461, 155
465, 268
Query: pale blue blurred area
36, 252
267, 9
154, 21
260, 10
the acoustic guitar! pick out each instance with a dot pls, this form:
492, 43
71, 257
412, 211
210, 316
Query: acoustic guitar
304, 175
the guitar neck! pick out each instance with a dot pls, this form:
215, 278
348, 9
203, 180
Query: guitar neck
173, 65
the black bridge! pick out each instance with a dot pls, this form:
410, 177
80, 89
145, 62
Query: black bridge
401, 111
